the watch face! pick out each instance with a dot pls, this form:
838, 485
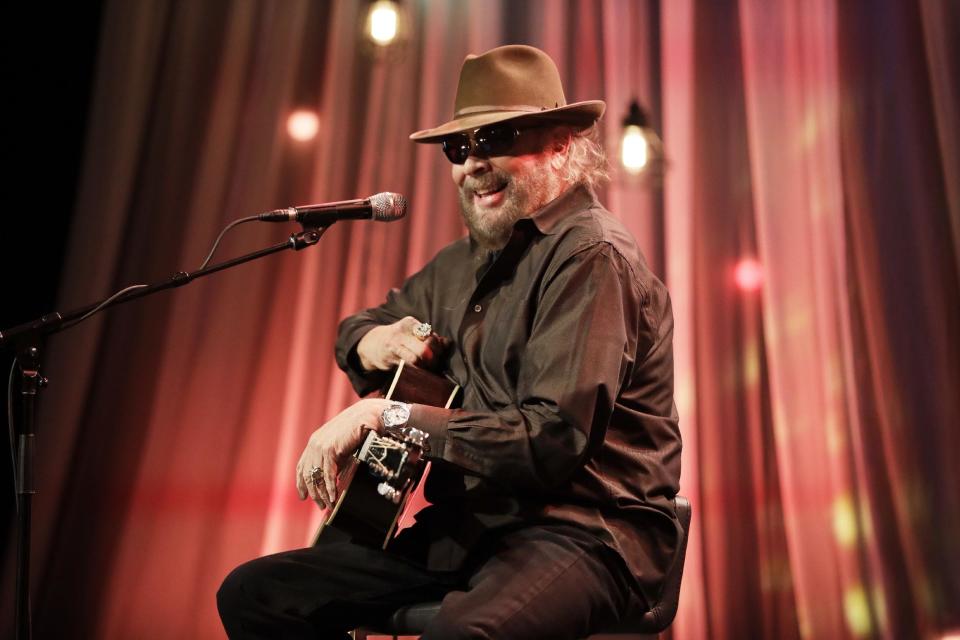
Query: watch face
395, 415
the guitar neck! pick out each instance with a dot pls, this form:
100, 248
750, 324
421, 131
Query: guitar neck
415, 385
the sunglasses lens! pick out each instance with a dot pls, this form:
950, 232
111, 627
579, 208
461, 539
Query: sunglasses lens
496, 140
490, 141
456, 148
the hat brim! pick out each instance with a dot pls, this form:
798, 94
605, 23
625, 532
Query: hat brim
581, 114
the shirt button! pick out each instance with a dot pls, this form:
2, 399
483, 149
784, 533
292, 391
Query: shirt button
477, 308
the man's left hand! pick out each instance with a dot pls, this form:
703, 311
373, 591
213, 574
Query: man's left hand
329, 446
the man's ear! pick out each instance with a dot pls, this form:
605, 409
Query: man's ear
560, 146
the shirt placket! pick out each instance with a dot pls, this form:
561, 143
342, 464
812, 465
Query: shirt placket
471, 333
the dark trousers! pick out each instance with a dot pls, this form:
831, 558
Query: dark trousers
536, 582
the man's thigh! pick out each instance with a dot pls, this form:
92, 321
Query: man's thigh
320, 592
547, 582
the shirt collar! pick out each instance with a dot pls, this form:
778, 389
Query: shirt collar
548, 218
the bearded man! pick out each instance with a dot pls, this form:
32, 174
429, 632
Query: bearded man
552, 486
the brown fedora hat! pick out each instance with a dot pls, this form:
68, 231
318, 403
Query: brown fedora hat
515, 81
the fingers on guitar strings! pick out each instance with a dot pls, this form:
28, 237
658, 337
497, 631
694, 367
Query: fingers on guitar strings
405, 353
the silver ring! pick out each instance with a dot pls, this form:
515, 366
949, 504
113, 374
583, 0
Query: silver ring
316, 475
422, 331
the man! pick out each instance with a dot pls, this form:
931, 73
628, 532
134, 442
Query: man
552, 486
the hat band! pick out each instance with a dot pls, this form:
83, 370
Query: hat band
482, 108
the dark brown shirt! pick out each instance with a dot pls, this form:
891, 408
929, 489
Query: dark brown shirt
562, 343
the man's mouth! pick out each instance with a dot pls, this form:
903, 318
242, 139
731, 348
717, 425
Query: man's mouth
489, 197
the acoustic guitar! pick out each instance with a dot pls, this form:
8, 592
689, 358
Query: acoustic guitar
376, 484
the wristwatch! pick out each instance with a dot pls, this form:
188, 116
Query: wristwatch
395, 416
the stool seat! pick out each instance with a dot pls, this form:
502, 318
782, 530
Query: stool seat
413, 619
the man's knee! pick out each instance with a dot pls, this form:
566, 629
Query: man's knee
234, 594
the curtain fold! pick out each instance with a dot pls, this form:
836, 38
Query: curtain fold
819, 412
790, 86
904, 315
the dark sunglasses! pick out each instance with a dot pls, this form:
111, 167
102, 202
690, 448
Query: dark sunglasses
492, 140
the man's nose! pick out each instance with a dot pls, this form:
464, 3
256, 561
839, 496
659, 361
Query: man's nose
475, 165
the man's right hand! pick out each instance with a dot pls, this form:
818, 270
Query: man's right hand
385, 346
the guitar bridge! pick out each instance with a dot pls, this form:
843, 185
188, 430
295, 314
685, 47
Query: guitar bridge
394, 456
383, 473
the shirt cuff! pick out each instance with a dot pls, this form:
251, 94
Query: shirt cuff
363, 381
432, 421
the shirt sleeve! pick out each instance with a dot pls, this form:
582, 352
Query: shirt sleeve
412, 299
584, 340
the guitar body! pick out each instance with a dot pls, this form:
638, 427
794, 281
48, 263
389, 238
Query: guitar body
377, 483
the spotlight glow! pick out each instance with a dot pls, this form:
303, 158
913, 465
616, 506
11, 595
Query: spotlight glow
382, 22
844, 521
634, 149
856, 610
748, 274
303, 125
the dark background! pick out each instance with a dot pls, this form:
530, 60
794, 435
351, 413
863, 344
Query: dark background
50, 61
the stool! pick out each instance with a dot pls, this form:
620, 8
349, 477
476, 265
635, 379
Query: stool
412, 620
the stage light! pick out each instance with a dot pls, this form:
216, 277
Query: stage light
303, 125
383, 21
748, 274
641, 151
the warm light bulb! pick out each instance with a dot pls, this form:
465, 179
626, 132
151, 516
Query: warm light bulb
382, 22
634, 149
303, 125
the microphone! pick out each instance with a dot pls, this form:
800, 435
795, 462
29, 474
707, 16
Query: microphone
382, 207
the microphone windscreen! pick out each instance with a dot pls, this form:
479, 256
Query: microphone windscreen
388, 206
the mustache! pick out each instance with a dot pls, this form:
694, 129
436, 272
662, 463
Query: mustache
485, 183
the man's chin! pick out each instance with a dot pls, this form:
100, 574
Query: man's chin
486, 236
490, 226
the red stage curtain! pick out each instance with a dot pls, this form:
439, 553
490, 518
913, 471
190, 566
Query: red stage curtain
819, 412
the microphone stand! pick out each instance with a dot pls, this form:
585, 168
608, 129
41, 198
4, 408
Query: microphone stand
27, 340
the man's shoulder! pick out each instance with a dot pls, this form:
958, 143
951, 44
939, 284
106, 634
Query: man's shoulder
594, 232
595, 225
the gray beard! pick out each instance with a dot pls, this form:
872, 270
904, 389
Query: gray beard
491, 230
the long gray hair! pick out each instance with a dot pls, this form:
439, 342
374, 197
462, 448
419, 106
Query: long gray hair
585, 161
